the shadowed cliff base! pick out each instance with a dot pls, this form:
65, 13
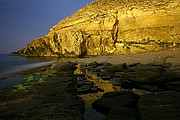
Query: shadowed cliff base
106, 27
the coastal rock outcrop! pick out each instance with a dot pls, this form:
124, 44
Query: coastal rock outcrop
160, 106
106, 27
140, 91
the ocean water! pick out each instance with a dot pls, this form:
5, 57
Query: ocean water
10, 63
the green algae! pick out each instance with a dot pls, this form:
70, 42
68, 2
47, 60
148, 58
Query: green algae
29, 78
21, 87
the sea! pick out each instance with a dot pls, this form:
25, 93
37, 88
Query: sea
11, 65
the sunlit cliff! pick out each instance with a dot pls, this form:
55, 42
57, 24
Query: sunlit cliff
106, 27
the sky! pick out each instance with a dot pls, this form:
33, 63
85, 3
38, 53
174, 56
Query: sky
21, 21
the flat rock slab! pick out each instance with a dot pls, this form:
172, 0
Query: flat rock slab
173, 85
113, 99
160, 106
56, 99
121, 113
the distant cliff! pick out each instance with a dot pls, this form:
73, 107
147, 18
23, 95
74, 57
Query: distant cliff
106, 27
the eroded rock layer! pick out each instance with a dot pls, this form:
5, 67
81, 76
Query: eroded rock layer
106, 27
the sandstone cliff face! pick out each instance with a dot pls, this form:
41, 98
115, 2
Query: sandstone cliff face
106, 27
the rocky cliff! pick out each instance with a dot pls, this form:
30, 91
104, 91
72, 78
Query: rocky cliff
106, 27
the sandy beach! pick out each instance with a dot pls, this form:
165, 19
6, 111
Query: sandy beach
144, 58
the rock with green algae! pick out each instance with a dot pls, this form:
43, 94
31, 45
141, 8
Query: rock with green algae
106, 27
55, 99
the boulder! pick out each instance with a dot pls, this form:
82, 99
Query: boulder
139, 92
140, 76
104, 66
117, 68
114, 99
148, 73
173, 85
82, 83
105, 75
130, 84
160, 106
121, 113
133, 64
85, 89
151, 88
93, 64
171, 75
81, 77
115, 81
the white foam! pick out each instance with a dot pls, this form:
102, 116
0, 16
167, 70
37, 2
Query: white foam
25, 68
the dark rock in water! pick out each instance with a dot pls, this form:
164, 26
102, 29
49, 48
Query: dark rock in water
171, 75
94, 72
87, 89
160, 106
93, 64
140, 76
115, 81
80, 78
114, 99
104, 66
105, 75
117, 68
133, 65
78, 75
121, 113
150, 67
130, 84
100, 90
151, 88
83, 90
173, 85
82, 83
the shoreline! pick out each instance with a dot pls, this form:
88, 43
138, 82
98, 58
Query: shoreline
25, 68
54, 86
53, 90
144, 58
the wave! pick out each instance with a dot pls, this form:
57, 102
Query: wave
22, 68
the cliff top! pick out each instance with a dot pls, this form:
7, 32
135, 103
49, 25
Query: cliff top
103, 8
